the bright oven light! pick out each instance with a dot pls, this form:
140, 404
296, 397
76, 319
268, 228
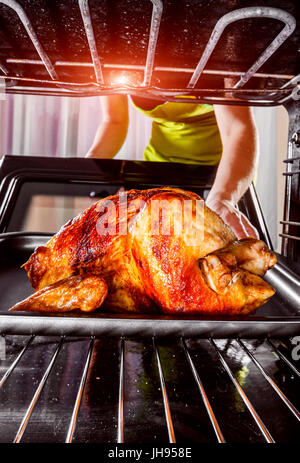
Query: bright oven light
120, 79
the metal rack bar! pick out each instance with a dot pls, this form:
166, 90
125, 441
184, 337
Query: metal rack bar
271, 382
171, 433
250, 200
295, 95
170, 92
13, 365
246, 13
169, 421
93, 89
76, 93
38, 391
72, 424
33, 37
288, 191
295, 158
224, 21
140, 67
290, 25
206, 402
88, 26
291, 237
290, 222
284, 358
153, 36
120, 437
5, 70
294, 80
291, 173
269, 439
293, 83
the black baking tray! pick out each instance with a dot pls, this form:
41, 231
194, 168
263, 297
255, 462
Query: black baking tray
279, 317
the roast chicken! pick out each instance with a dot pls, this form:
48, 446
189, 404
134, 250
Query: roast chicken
160, 250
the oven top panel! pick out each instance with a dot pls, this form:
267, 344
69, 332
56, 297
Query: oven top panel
150, 47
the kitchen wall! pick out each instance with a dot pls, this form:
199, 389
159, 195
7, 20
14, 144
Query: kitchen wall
272, 126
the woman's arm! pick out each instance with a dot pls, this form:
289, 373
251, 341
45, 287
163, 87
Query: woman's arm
236, 168
112, 132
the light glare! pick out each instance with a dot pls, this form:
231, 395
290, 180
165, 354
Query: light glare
120, 80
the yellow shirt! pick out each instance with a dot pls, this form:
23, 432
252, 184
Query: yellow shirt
183, 132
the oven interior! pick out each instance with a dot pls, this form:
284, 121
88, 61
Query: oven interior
134, 379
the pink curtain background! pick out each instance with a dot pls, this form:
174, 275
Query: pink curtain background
59, 126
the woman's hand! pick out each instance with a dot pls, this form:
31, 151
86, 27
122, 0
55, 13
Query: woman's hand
236, 168
235, 219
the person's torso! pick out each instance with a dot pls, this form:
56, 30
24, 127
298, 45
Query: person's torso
181, 132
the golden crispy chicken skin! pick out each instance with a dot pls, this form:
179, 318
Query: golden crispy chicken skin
76, 292
158, 250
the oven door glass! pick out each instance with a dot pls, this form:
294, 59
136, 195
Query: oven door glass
46, 206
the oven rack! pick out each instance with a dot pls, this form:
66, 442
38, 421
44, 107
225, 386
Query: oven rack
235, 94
291, 215
60, 405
